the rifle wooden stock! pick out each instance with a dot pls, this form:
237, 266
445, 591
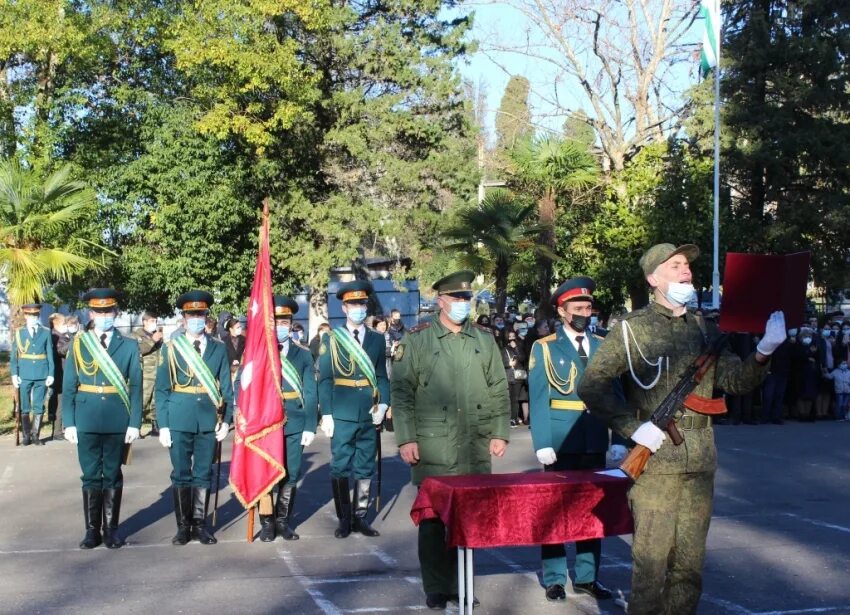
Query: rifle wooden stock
635, 462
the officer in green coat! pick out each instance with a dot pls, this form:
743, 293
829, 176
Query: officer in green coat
102, 411
451, 412
564, 435
32, 368
298, 389
194, 400
671, 501
353, 396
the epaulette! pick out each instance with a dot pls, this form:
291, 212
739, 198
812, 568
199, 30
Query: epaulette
632, 314
420, 327
549, 338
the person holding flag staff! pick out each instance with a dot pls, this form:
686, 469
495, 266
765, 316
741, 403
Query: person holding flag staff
353, 396
194, 401
298, 389
102, 410
32, 368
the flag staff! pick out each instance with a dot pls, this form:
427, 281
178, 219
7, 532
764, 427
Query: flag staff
715, 274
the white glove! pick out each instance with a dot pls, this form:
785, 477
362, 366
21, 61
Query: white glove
547, 456
165, 437
774, 334
618, 453
16, 381
132, 434
71, 435
48, 381
378, 413
327, 425
221, 431
307, 438
649, 435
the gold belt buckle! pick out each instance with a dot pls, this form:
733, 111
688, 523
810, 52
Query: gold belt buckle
100, 389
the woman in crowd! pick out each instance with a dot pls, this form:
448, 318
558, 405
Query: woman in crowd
516, 368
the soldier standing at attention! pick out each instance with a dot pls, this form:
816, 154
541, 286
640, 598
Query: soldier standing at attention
298, 388
102, 411
451, 412
150, 341
194, 397
564, 435
671, 501
32, 369
353, 396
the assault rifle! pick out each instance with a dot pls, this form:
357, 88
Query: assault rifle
665, 415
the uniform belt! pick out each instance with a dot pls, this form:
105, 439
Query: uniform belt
189, 389
94, 388
566, 404
348, 382
289, 394
694, 421
32, 356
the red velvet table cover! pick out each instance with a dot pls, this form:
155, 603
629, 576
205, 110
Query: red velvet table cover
500, 510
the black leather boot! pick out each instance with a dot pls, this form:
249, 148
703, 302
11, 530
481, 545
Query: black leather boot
36, 427
111, 514
200, 532
267, 528
93, 514
154, 429
283, 512
361, 508
342, 503
26, 426
182, 514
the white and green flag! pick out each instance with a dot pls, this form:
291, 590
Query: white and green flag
710, 12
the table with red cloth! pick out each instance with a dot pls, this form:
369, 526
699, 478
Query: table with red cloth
535, 508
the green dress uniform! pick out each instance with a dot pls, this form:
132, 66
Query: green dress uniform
450, 397
346, 394
559, 420
93, 405
186, 409
32, 361
301, 406
671, 501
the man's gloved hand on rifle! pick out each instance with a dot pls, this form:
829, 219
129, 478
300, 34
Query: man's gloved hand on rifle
649, 435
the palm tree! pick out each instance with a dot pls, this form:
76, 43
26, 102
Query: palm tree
38, 223
553, 170
488, 238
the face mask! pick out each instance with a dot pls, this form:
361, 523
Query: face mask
72, 330
32, 321
459, 311
196, 325
282, 333
500, 325
579, 323
792, 332
296, 335
594, 320
807, 340
104, 323
530, 322
825, 333
522, 332
843, 366
396, 321
356, 314
845, 330
151, 327
680, 294
62, 329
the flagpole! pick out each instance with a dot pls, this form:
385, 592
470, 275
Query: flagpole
715, 276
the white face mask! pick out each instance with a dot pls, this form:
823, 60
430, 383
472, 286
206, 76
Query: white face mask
150, 327
32, 321
679, 293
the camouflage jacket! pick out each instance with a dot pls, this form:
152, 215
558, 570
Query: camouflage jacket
656, 336
148, 349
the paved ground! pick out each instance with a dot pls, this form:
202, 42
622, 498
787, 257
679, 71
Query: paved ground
779, 542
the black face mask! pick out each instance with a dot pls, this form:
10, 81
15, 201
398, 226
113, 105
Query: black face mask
579, 323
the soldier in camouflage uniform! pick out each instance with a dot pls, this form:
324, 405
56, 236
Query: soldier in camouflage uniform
451, 412
150, 341
671, 501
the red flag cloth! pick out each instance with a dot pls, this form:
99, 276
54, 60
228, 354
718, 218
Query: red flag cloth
257, 460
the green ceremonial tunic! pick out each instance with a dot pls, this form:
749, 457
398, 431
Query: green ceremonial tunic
301, 415
31, 359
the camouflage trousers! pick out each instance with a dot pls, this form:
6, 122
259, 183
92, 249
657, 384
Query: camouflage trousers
671, 513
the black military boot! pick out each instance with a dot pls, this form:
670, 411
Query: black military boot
154, 429
26, 426
93, 514
267, 528
111, 514
361, 507
342, 503
36, 427
200, 501
283, 511
182, 514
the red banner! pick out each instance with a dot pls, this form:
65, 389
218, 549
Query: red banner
257, 460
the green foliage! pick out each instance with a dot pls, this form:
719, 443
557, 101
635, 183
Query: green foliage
513, 119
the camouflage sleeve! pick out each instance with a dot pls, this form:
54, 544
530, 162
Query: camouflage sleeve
146, 344
403, 390
325, 382
597, 391
500, 402
162, 387
737, 377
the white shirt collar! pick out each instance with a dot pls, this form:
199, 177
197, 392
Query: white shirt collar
284, 347
572, 335
361, 331
202, 339
108, 334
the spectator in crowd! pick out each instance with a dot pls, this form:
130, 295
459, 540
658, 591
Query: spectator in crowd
776, 383
316, 342
808, 376
516, 368
843, 342
211, 328
484, 321
823, 401
58, 331
149, 338
499, 329
741, 406
396, 327
297, 333
234, 341
841, 380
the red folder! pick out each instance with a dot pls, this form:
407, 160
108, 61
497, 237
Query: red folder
754, 285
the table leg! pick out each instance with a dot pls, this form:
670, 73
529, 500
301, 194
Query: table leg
461, 578
470, 578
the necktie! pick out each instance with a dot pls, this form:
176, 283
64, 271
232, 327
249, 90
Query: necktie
103, 339
32, 332
582, 354
357, 336
197, 345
